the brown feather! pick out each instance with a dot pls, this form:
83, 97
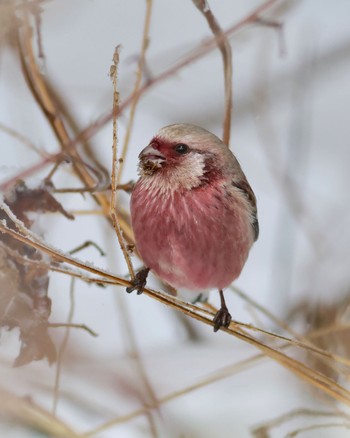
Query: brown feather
244, 186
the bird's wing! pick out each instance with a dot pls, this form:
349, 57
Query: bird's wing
244, 186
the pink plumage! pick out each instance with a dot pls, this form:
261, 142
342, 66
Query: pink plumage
193, 212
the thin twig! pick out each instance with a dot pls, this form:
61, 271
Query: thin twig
330, 329
37, 10
317, 426
139, 74
24, 411
94, 212
135, 355
126, 324
87, 244
34, 242
278, 26
226, 52
24, 140
313, 377
51, 266
191, 57
213, 378
113, 209
205, 48
217, 376
45, 100
296, 413
63, 348
299, 340
71, 325
306, 346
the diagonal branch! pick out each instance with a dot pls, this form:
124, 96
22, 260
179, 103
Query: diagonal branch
46, 102
191, 57
304, 372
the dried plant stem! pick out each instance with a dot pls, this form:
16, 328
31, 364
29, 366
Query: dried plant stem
36, 11
293, 414
263, 310
315, 378
279, 29
324, 331
54, 169
219, 375
45, 100
126, 325
134, 354
113, 209
87, 244
226, 52
317, 426
306, 346
6, 185
191, 57
21, 138
76, 326
214, 377
87, 212
52, 267
62, 349
134, 102
36, 81
190, 308
57, 255
26, 412
300, 340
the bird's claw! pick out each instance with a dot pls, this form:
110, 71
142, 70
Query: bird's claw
222, 318
139, 282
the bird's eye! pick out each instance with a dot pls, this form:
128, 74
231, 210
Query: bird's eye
182, 148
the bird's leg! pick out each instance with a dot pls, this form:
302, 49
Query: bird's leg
201, 298
223, 316
140, 281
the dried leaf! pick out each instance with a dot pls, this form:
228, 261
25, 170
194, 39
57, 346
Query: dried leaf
24, 303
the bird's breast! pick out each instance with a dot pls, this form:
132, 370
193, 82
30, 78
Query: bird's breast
195, 239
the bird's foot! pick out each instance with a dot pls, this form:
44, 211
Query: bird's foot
139, 282
223, 316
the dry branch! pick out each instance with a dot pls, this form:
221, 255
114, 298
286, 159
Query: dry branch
306, 373
226, 52
191, 57
113, 207
139, 75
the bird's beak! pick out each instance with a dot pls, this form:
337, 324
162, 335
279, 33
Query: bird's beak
151, 154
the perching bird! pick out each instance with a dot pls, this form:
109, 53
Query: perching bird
193, 213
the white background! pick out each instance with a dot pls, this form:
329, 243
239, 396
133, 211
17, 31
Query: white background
290, 131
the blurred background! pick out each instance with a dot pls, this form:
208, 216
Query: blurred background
290, 132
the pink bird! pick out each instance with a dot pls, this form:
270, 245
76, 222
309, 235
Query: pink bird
193, 213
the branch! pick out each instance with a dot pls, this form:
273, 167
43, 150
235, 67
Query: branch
226, 52
203, 50
134, 102
113, 210
308, 374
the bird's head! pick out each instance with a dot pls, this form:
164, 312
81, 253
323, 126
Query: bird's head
184, 156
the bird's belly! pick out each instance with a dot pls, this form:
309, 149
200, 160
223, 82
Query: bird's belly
192, 242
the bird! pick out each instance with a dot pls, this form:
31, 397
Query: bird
193, 213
